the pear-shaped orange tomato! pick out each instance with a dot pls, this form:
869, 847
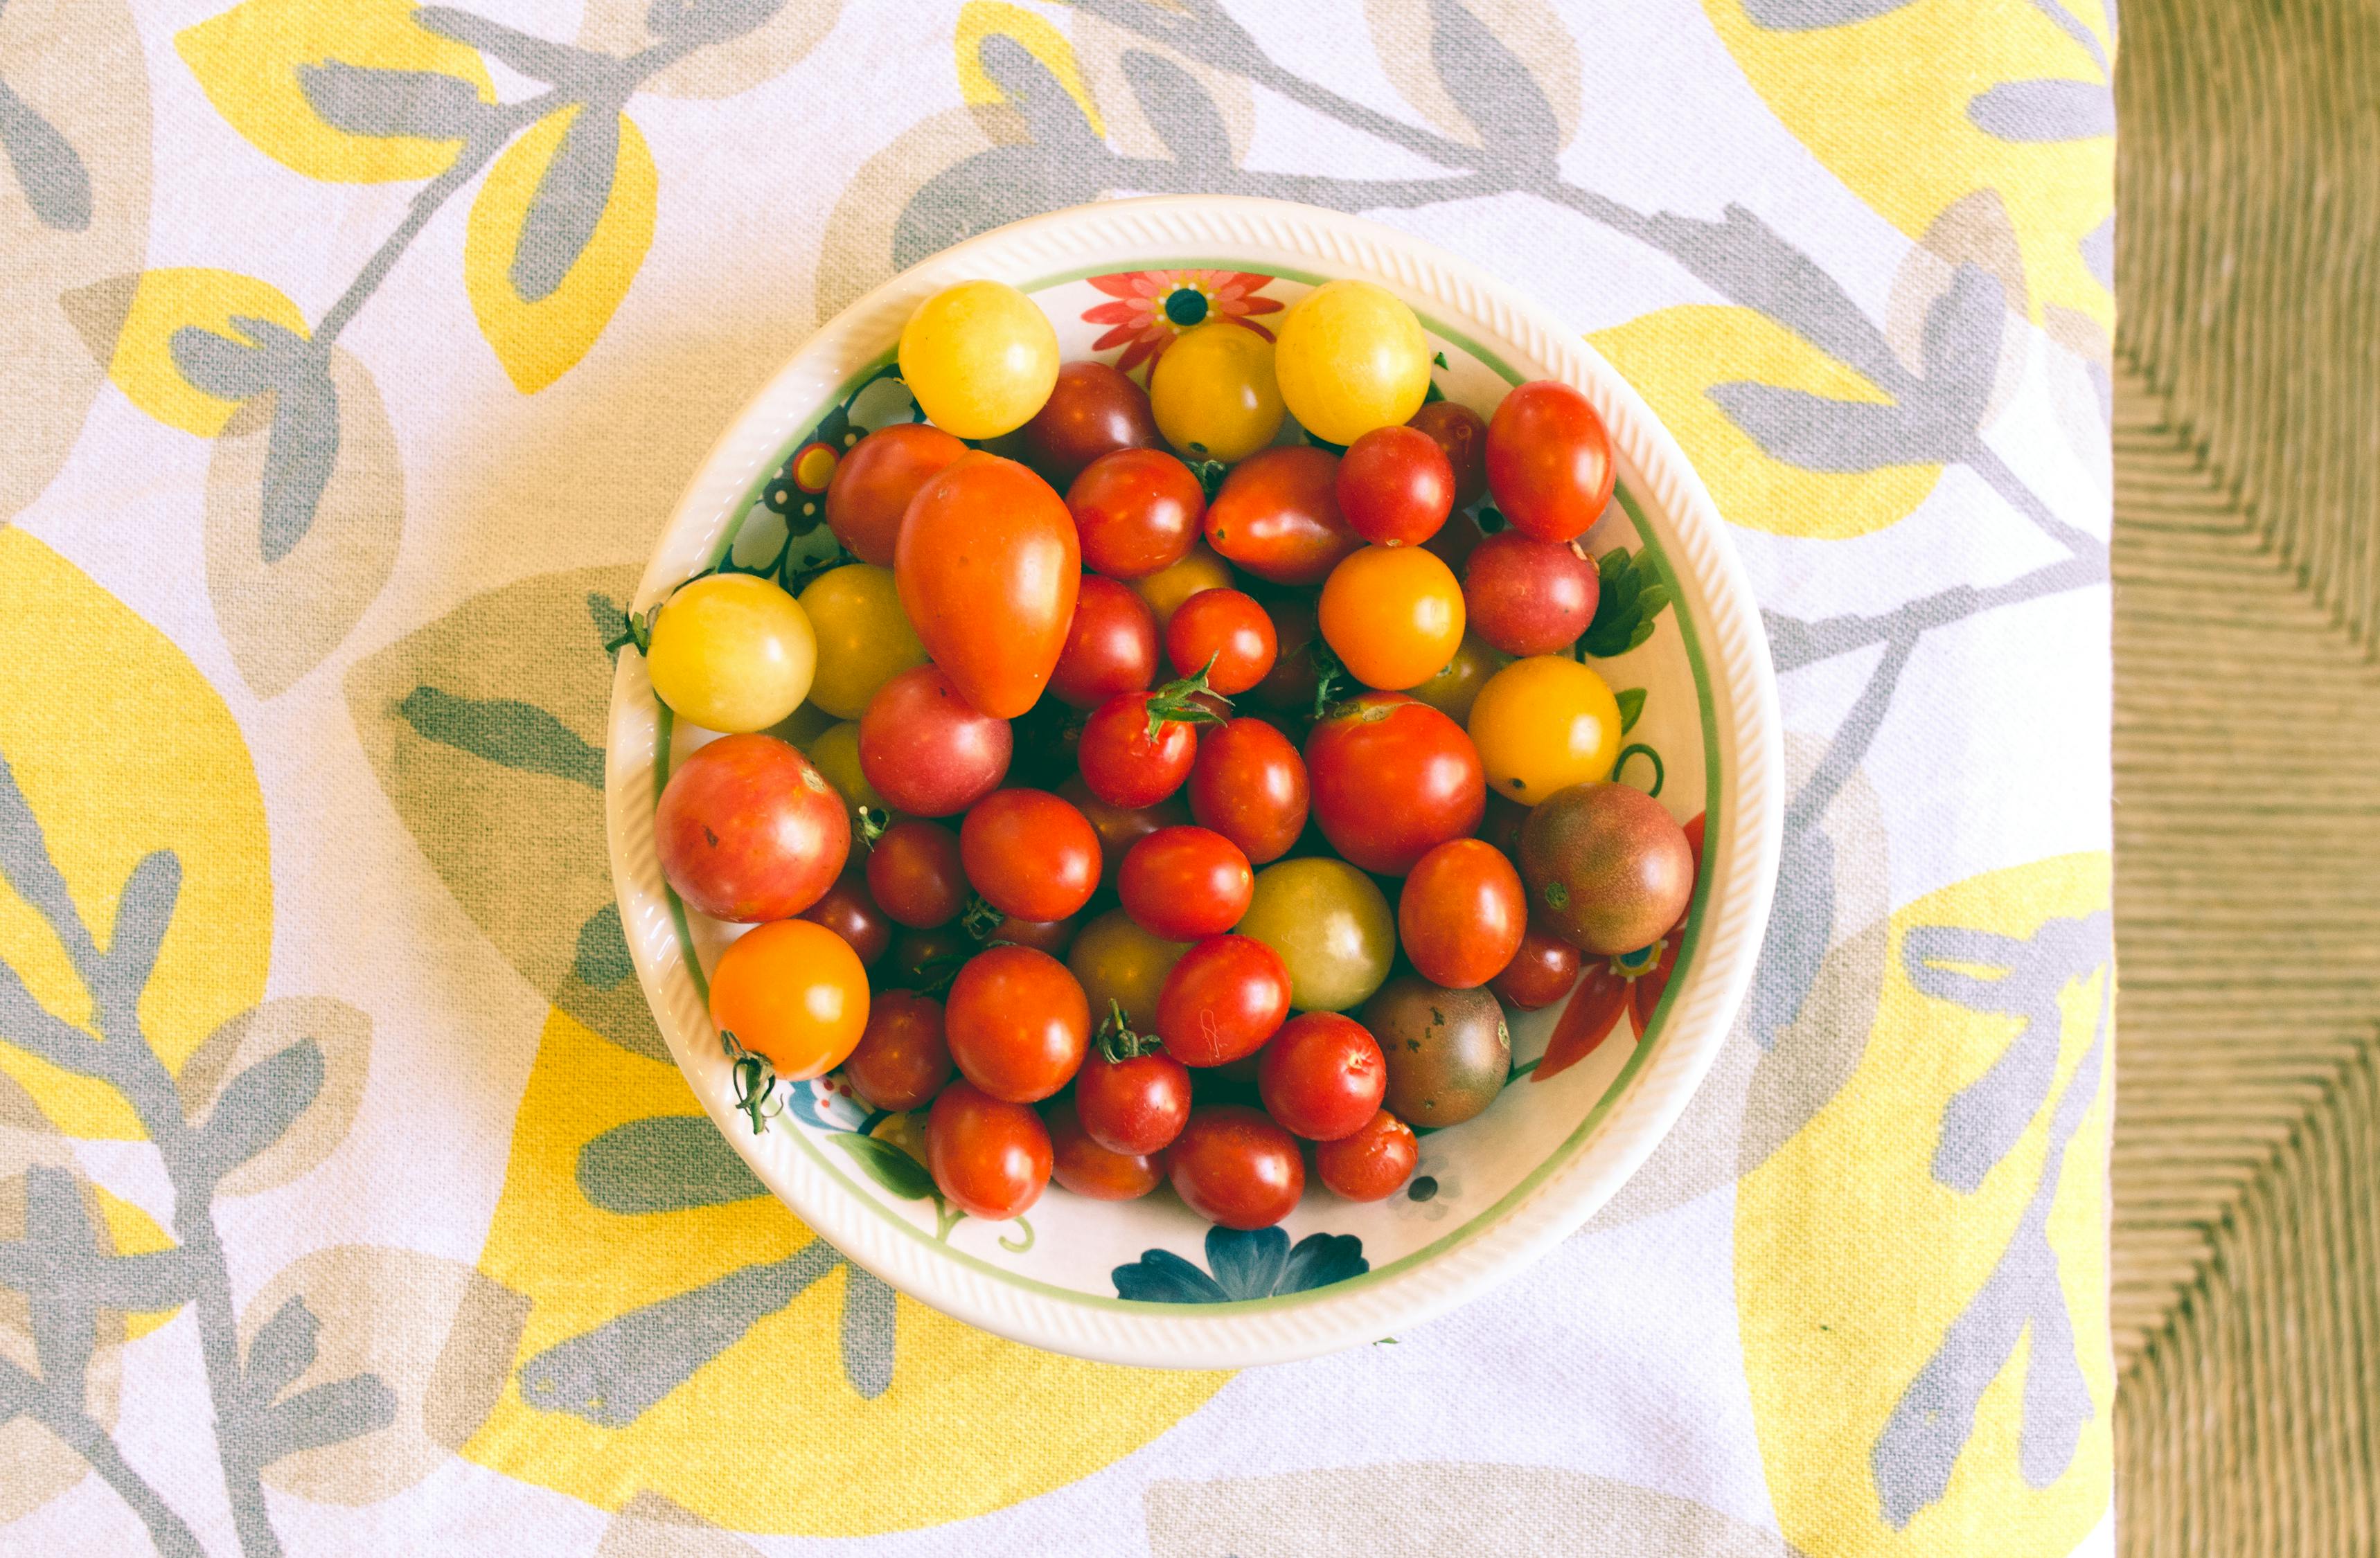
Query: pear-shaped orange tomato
988, 565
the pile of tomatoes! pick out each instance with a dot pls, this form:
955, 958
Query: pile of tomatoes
1172, 802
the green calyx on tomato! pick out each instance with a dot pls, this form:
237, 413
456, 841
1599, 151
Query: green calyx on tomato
981, 918
1119, 1041
869, 823
1180, 703
756, 1082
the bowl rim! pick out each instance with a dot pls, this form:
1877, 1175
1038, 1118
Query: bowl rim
1743, 825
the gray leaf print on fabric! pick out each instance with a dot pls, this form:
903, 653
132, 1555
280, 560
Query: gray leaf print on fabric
258, 1106
696, 22
2050, 109
373, 101
536, 57
569, 203
319, 1415
1809, 16
868, 1330
1494, 91
282, 1350
1179, 110
302, 444
49, 170
665, 1163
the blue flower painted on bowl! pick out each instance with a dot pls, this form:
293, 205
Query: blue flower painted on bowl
1244, 1265
828, 1103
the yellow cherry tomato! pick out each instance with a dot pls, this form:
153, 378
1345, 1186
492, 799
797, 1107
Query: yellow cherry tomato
1452, 691
1169, 587
794, 992
1213, 392
834, 752
1116, 960
731, 652
1393, 615
1544, 724
980, 357
1351, 358
864, 637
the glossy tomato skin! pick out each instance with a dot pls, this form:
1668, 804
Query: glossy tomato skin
1124, 764
1249, 784
1092, 410
1223, 999
1017, 1023
1277, 516
1462, 914
1233, 1167
850, 910
794, 992
1322, 1076
1393, 615
929, 750
1448, 1051
989, 1156
1609, 869
1166, 590
1226, 635
915, 872
1461, 435
1392, 778
1183, 884
1372, 1163
902, 1060
1136, 1104
1052, 936
1137, 512
874, 481
1030, 854
1079, 1163
1548, 461
749, 830
1120, 827
988, 567
1541, 973
1528, 597
1110, 646
1395, 487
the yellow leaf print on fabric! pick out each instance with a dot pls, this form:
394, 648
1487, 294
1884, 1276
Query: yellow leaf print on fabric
165, 303
121, 749
980, 19
690, 1339
1921, 1272
352, 91
554, 238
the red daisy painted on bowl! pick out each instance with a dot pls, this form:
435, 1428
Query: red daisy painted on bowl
1632, 982
1153, 307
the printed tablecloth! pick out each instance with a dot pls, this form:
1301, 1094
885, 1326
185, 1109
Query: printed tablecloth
353, 354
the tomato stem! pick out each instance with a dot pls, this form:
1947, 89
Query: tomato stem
981, 918
1118, 1040
869, 823
756, 1082
1177, 702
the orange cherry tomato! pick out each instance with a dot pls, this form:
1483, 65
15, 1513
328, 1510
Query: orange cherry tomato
794, 993
988, 567
873, 484
1393, 615
1462, 913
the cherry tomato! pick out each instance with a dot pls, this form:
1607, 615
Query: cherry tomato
749, 830
1166, 590
1248, 784
1548, 461
1289, 686
1119, 828
834, 752
1223, 999
1456, 541
851, 912
1030, 854
1225, 633
1541, 973
1092, 410
1135, 1104
874, 482
927, 749
864, 639
987, 568
1351, 358
1544, 724
990, 1157
1123, 968
1052, 936
1395, 486
1528, 597
926, 959
980, 357
902, 1060
1322, 1076
1213, 391
1110, 646
1371, 1165
1277, 516
1462, 913
1453, 690
916, 873
1609, 871
794, 993
1017, 1023
1332, 925
1184, 883
1461, 435
1393, 615
1393, 778
1082, 1164
1233, 1167
731, 652
1137, 512
1137, 748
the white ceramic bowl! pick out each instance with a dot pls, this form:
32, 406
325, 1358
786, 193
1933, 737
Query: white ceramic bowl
1491, 1193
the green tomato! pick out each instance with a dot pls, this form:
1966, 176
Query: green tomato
864, 637
1116, 960
1447, 1051
1351, 358
731, 652
980, 357
1452, 691
1331, 926
835, 752
1213, 394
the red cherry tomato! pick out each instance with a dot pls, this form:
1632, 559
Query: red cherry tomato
1225, 634
1223, 1000
1541, 973
989, 1156
1393, 778
1110, 646
1137, 512
1136, 1104
986, 568
1082, 1164
1371, 1165
1395, 486
1461, 435
1120, 827
1180, 884
874, 482
851, 912
1289, 686
1322, 1076
749, 830
916, 873
1017, 1023
1277, 516
1248, 784
1052, 936
1528, 597
1092, 410
1030, 854
1548, 461
1233, 1167
926, 750
1124, 762
1462, 913
902, 1062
